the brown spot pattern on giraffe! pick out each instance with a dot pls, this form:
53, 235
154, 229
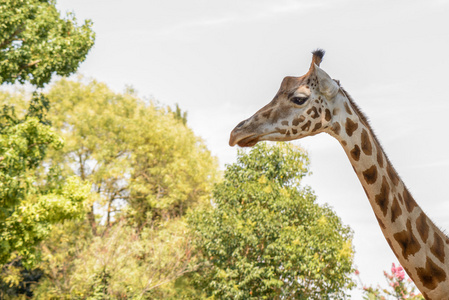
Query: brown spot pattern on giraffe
431, 275
267, 114
336, 128
370, 174
400, 199
294, 131
313, 112
350, 126
355, 153
366, 144
281, 131
298, 120
410, 203
422, 227
438, 247
316, 127
396, 210
392, 174
285, 123
327, 115
348, 110
382, 198
380, 159
407, 241
306, 126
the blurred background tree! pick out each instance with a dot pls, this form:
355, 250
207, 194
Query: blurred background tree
131, 150
145, 169
265, 237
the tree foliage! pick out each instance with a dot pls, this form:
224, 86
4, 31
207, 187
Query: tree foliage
35, 42
132, 151
266, 238
122, 263
28, 211
143, 168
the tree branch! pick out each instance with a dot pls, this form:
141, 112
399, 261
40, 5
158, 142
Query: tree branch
24, 67
8, 41
29, 65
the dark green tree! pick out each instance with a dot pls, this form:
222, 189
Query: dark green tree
35, 42
266, 238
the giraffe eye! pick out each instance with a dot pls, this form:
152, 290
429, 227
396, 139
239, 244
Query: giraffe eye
299, 100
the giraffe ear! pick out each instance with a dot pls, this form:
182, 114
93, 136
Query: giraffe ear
328, 87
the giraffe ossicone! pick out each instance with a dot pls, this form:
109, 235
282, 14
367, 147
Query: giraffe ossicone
315, 103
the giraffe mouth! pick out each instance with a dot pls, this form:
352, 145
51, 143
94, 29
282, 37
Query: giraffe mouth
247, 141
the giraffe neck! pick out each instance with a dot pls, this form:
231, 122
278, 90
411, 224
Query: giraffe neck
420, 246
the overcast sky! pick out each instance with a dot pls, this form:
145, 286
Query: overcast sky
223, 60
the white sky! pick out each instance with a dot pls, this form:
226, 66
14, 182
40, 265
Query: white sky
223, 60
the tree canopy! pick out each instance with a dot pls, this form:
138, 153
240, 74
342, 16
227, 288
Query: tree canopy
266, 238
145, 169
131, 150
35, 42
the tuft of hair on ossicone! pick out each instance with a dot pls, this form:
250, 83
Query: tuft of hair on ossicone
317, 56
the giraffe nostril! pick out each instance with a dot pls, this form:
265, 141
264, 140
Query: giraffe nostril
241, 124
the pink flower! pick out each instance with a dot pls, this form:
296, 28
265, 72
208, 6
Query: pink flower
398, 272
357, 272
393, 269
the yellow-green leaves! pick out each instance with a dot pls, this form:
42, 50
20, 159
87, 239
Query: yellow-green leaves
266, 238
133, 152
35, 44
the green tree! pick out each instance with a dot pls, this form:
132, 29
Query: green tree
123, 263
266, 238
146, 168
132, 151
27, 210
35, 42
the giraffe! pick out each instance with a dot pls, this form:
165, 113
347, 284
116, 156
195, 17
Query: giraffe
315, 103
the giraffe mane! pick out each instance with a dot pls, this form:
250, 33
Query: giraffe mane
366, 122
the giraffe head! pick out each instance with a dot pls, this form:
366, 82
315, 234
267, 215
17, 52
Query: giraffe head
302, 107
